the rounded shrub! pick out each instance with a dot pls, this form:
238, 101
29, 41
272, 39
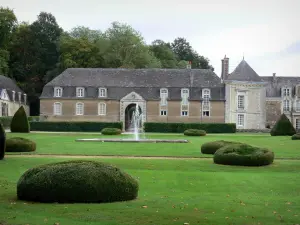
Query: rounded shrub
212, 147
19, 144
2, 141
78, 181
111, 131
283, 127
296, 136
19, 122
243, 155
194, 132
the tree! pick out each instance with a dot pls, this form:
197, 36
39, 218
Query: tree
164, 53
283, 127
19, 122
86, 33
2, 141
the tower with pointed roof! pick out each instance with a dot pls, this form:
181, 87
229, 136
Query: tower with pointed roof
245, 94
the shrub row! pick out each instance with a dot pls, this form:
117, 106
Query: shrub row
194, 132
111, 131
6, 120
74, 126
181, 127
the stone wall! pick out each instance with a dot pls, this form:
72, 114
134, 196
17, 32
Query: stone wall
273, 111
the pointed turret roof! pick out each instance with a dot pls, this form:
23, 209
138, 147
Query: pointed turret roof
244, 72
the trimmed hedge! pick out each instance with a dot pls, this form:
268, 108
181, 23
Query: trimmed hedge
212, 147
6, 120
74, 126
2, 142
19, 144
243, 155
283, 127
296, 136
78, 181
181, 127
194, 132
19, 122
111, 131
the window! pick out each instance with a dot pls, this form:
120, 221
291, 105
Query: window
57, 109
298, 105
184, 112
14, 95
205, 102
241, 102
102, 92
4, 95
19, 95
163, 112
286, 105
57, 92
241, 120
286, 92
297, 124
79, 109
102, 109
163, 96
184, 96
25, 99
80, 92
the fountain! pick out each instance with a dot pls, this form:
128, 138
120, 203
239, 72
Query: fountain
136, 127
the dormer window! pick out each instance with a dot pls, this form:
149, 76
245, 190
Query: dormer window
286, 92
13, 96
58, 92
80, 92
184, 96
163, 96
206, 102
20, 96
102, 93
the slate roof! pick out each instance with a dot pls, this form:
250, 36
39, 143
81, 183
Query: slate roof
276, 83
146, 82
10, 85
244, 72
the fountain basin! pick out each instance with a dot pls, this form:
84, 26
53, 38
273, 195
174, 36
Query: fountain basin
133, 140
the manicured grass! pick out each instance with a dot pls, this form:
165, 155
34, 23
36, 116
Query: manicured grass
172, 191
47, 143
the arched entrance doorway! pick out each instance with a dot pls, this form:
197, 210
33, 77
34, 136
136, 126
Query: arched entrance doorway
130, 109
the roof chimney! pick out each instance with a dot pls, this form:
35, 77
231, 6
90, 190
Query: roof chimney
274, 77
225, 68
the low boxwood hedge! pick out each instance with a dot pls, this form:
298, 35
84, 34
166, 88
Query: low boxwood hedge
194, 132
76, 181
19, 144
212, 147
243, 155
296, 136
111, 131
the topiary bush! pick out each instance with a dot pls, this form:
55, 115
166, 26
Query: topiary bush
76, 181
296, 136
243, 155
2, 141
212, 147
194, 132
19, 122
18, 144
283, 127
111, 131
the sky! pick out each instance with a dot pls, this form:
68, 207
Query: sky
265, 32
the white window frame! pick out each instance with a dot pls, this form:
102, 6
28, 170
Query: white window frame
185, 94
79, 93
206, 95
102, 92
163, 96
163, 112
20, 96
101, 111
286, 108
241, 105
297, 105
77, 111
13, 96
55, 111
184, 112
297, 124
238, 120
286, 92
58, 92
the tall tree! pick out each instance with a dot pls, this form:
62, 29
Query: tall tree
164, 53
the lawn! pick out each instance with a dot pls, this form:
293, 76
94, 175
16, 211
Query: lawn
55, 143
171, 192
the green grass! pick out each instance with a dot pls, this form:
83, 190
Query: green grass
174, 191
283, 147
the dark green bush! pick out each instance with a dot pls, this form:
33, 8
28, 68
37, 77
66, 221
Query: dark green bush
19, 122
6, 120
194, 132
19, 144
283, 127
296, 136
243, 155
111, 131
76, 181
2, 142
73, 126
212, 147
181, 127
